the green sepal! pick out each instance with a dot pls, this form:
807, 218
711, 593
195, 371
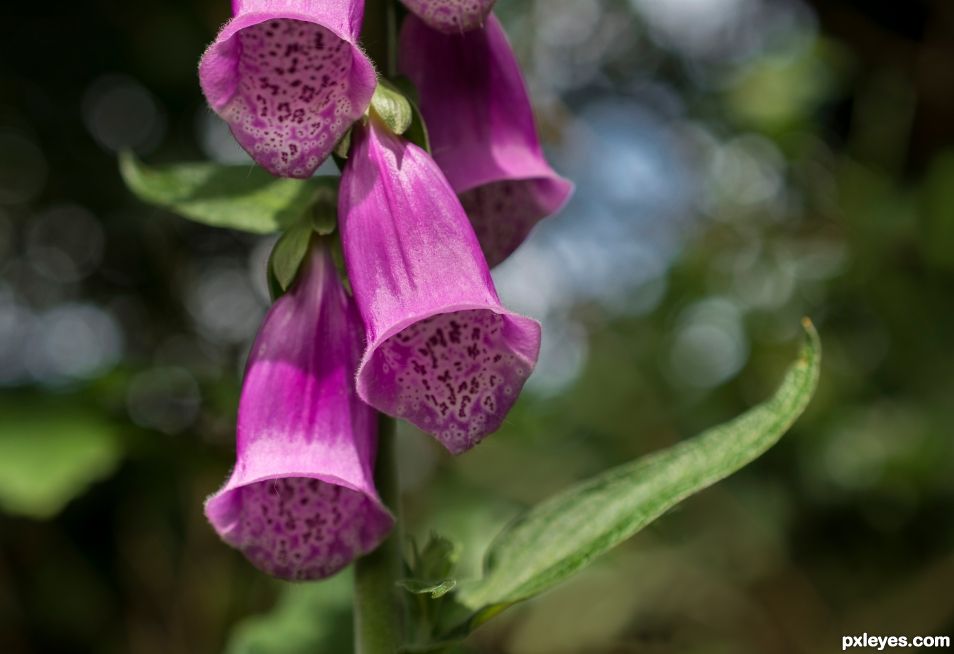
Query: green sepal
324, 212
343, 148
391, 107
290, 250
286, 258
417, 132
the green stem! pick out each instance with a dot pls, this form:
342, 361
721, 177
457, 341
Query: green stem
377, 603
379, 35
378, 609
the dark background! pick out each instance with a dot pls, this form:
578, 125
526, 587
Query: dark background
739, 163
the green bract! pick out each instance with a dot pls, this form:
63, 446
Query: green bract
392, 108
417, 132
291, 248
285, 260
432, 567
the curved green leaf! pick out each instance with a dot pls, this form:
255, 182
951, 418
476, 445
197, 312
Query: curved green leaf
565, 533
286, 258
245, 198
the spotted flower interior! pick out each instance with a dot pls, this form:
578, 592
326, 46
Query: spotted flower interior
503, 213
294, 99
451, 15
454, 375
299, 528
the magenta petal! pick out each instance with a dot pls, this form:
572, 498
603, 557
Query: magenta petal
478, 113
301, 503
442, 351
288, 78
451, 16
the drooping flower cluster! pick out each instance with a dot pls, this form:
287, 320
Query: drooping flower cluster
423, 335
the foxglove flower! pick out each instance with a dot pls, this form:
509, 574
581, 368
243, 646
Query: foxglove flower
478, 113
451, 16
442, 351
288, 78
301, 503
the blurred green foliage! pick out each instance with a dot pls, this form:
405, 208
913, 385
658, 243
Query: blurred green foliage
51, 449
306, 618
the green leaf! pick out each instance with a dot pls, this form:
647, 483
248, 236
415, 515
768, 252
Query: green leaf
417, 132
437, 559
431, 567
565, 533
392, 107
307, 618
290, 250
435, 588
342, 149
324, 212
245, 198
286, 258
50, 452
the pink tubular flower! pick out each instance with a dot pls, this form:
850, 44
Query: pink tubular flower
301, 503
288, 78
442, 352
480, 121
451, 16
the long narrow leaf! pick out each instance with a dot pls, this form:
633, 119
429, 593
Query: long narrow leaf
565, 533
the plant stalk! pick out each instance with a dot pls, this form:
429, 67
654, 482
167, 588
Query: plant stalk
379, 35
377, 603
378, 610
